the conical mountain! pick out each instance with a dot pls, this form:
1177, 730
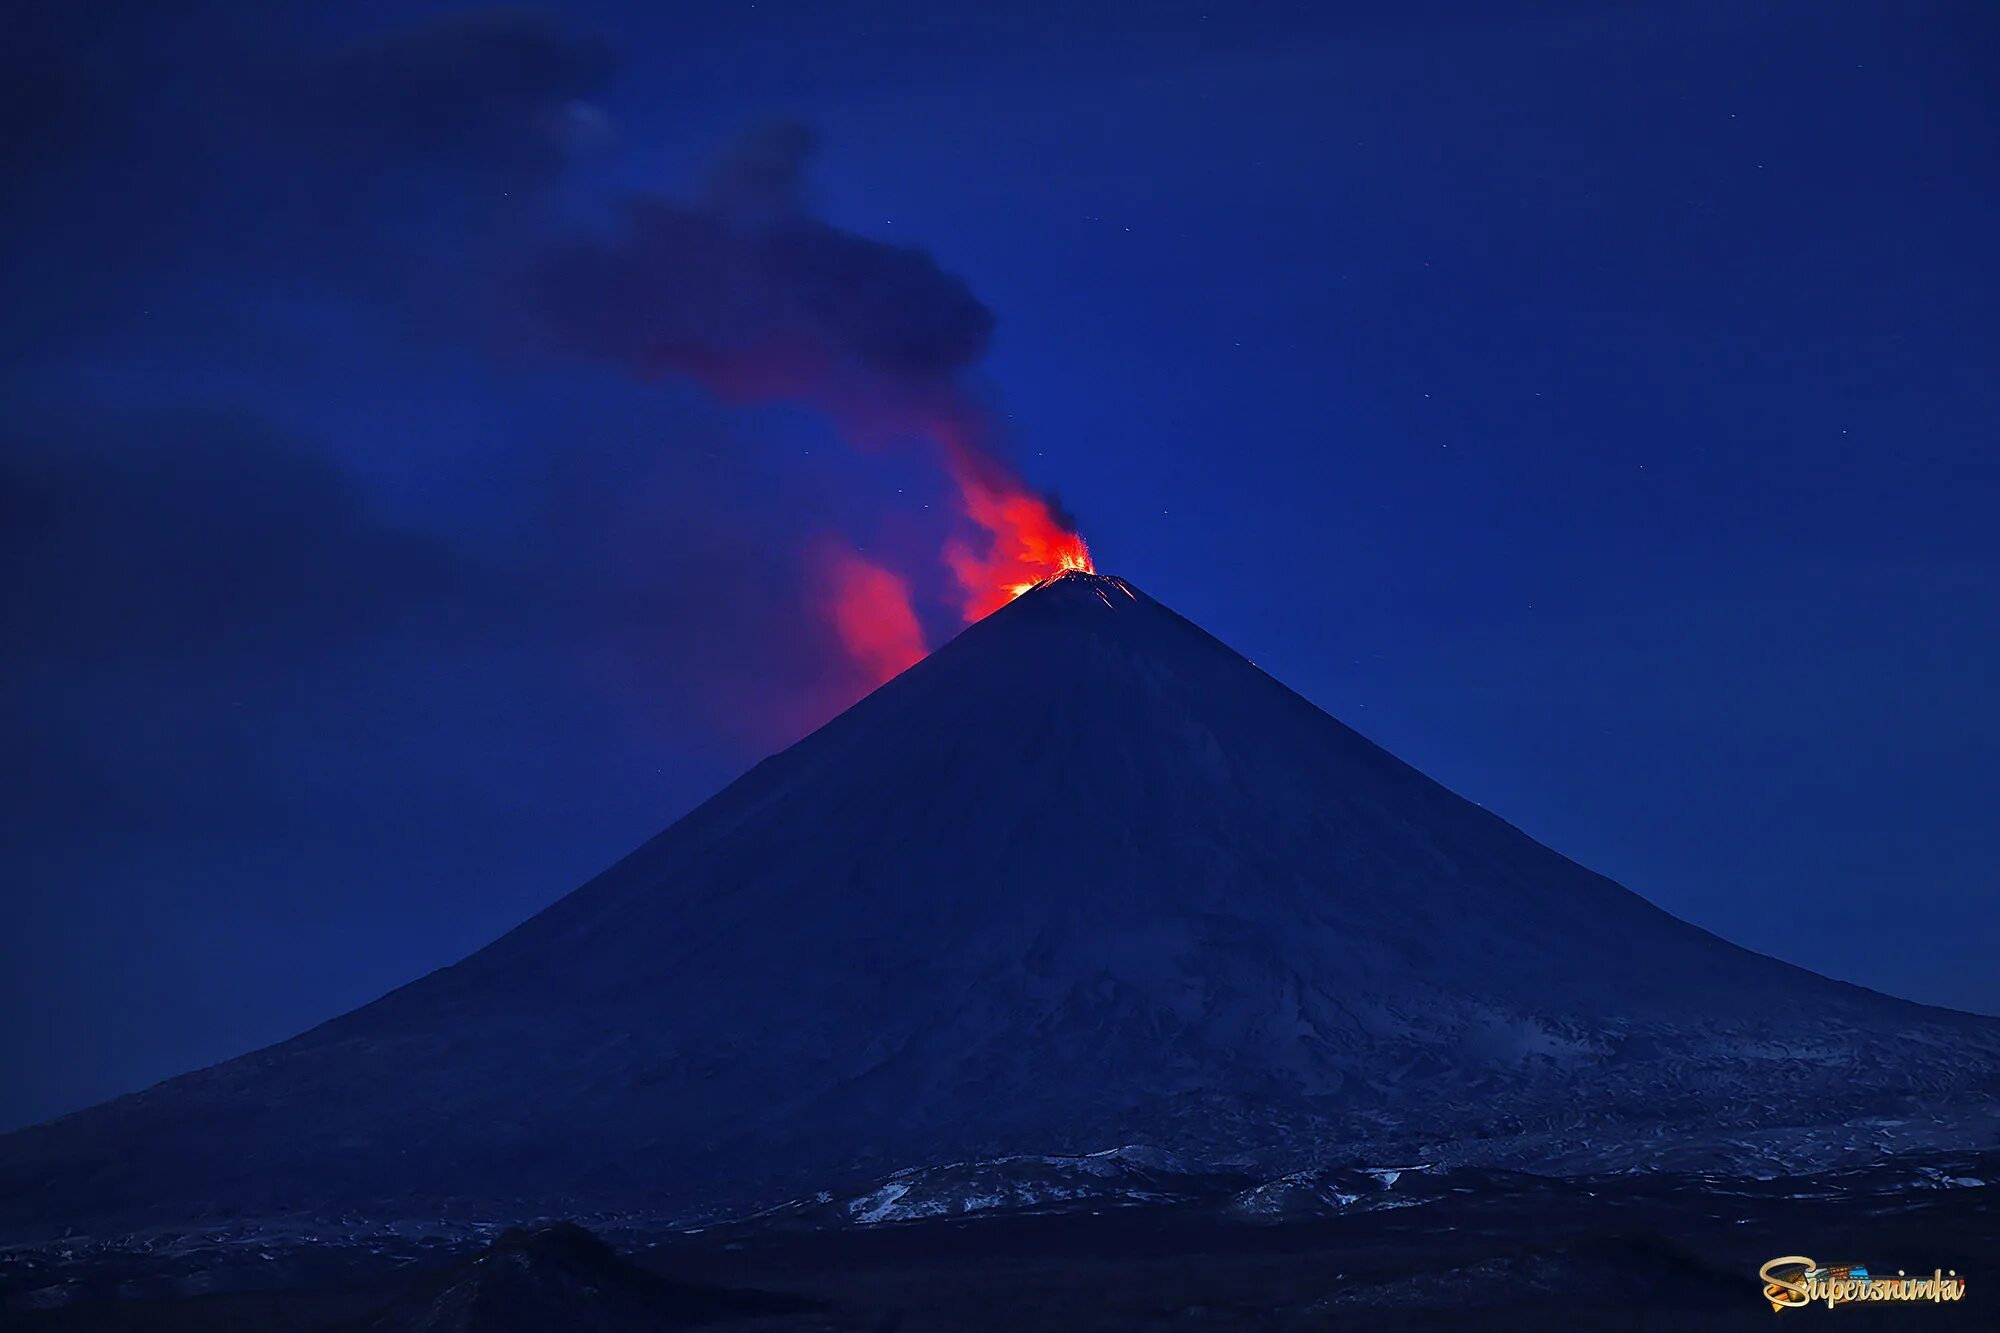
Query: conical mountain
1083, 877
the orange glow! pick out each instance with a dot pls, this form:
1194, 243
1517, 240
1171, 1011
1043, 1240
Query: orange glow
1028, 541
870, 611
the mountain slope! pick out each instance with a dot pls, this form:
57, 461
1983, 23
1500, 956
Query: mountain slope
1084, 876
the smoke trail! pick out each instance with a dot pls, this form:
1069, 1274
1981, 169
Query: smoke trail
745, 292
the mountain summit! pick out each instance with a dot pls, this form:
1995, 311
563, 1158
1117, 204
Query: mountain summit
1083, 877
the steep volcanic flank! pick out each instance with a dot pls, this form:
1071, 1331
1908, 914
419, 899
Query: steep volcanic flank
1083, 877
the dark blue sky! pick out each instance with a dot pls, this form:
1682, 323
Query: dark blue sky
1595, 406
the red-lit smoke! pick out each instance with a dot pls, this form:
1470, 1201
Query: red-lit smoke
869, 608
744, 291
1027, 540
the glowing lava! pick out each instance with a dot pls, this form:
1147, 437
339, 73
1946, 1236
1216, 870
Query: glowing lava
1028, 539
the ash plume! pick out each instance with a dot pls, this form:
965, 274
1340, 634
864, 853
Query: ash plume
747, 293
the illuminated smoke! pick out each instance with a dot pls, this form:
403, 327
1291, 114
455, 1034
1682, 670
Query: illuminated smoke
747, 293
869, 608
1027, 537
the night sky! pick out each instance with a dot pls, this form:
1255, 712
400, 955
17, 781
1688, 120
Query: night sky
1596, 406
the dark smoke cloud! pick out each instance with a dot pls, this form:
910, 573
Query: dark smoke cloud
199, 531
149, 149
747, 293
212, 543
156, 561
500, 90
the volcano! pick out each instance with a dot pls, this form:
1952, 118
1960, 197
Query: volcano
1083, 877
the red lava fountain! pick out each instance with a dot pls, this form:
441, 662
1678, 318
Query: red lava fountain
1029, 540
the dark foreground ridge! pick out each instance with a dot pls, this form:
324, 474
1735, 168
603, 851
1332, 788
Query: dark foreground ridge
1084, 877
560, 1276
1475, 1252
